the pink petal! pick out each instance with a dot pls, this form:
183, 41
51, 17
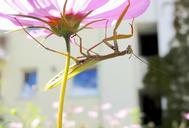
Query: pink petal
136, 8
100, 24
94, 4
23, 21
20, 6
6, 8
112, 9
30, 7
37, 9
102, 9
6, 23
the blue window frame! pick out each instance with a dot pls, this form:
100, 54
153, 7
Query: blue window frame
85, 83
31, 78
30, 82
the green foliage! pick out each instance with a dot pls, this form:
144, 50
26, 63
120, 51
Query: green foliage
172, 81
25, 116
155, 80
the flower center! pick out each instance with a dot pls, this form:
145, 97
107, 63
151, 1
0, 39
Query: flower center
54, 21
65, 25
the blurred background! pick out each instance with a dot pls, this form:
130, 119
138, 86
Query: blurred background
123, 92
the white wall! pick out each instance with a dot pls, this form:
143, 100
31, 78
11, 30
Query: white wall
165, 25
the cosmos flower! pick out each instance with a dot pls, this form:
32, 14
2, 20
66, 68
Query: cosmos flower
60, 18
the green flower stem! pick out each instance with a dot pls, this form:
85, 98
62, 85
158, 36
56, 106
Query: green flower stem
63, 87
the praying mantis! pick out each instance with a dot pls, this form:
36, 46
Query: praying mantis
90, 57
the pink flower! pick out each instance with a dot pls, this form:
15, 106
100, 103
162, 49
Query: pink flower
50, 17
114, 122
186, 116
122, 114
15, 125
93, 114
55, 105
78, 110
136, 126
106, 106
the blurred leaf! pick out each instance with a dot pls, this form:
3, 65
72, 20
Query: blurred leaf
13, 111
136, 114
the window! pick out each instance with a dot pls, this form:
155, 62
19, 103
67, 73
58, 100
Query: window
151, 108
85, 83
30, 82
148, 44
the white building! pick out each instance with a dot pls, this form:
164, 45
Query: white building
118, 80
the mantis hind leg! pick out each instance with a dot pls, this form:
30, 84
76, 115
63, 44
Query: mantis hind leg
114, 38
103, 41
81, 46
120, 19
